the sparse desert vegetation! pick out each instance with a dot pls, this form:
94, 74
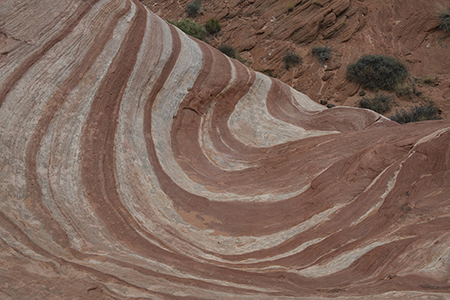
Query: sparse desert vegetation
290, 6
377, 72
193, 8
422, 112
291, 59
262, 35
428, 79
380, 103
212, 26
323, 53
192, 28
407, 88
444, 18
228, 50
267, 72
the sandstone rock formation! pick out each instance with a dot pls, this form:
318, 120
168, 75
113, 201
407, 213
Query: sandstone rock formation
138, 163
263, 30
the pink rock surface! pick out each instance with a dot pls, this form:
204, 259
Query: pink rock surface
139, 163
264, 30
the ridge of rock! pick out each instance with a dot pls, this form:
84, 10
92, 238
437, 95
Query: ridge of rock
137, 162
264, 30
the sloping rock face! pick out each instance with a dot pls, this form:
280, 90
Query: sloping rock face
139, 163
263, 30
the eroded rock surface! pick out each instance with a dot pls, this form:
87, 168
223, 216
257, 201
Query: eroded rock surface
139, 163
263, 30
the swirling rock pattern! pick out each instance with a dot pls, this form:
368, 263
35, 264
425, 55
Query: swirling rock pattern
137, 162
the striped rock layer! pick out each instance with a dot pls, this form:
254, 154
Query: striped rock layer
139, 163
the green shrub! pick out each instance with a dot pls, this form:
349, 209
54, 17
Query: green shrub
322, 53
212, 26
192, 28
231, 52
375, 72
404, 91
228, 50
444, 19
292, 59
380, 103
193, 8
423, 112
407, 88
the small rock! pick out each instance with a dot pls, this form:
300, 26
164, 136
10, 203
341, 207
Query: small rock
331, 105
324, 101
327, 76
362, 93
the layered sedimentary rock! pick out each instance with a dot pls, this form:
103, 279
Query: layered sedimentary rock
264, 30
137, 162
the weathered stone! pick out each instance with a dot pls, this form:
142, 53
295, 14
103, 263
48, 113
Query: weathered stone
139, 163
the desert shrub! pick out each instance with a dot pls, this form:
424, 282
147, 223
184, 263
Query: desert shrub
291, 59
428, 79
231, 52
444, 19
212, 26
241, 59
380, 103
404, 91
375, 72
407, 89
193, 8
290, 6
268, 72
322, 53
228, 50
190, 27
423, 112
